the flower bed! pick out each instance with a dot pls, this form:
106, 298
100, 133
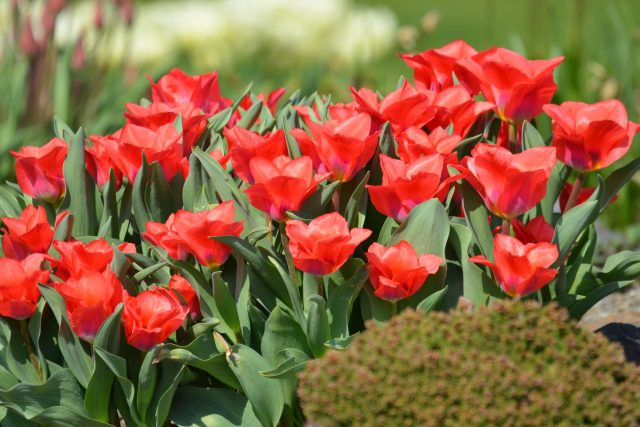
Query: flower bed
186, 267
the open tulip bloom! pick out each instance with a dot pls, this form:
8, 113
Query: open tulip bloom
200, 255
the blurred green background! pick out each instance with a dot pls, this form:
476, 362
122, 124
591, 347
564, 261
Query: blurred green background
83, 60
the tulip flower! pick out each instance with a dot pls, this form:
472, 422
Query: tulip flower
510, 184
19, 291
180, 285
519, 268
151, 317
399, 272
177, 88
414, 143
90, 298
325, 244
77, 258
282, 184
98, 162
166, 237
195, 230
536, 231
518, 87
39, 170
433, 68
339, 147
244, 145
406, 185
454, 107
404, 107
28, 234
590, 137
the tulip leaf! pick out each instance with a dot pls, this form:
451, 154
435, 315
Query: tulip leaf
616, 180
531, 138
574, 222
295, 362
282, 331
622, 266
284, 124
225, 304
432, 301
57, 402
78, 361
250, 116
9, 205
80, 194
158, 195
13, 355
477, 218
318, 331
110, 206
194, 192
355, 211
97, 396
170, 376
374, 308
211, 407
62, 130
292, 290
140, 212
341, 302
201, 353
35, 331
557, 179
386, 231
220, 119
265, 394
341, 343
581, 306
426, 229
318, 201
147, 379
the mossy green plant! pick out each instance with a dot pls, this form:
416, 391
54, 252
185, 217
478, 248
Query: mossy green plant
515, 364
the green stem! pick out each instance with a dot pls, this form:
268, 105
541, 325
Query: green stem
506, 226
513, 137
575, 192
29, 344
394, 308
320, 280
287, 253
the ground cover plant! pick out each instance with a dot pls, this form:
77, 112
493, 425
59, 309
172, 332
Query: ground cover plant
186, 267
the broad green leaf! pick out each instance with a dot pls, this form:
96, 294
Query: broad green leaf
158, 195
426, 228
356, 208
292, 290
477, 216
170, 376
211, 407
318, 331
147, 379
140, 211
295, 361
577, 310
14, 356
531, 138
265, 394
225, 304
341, 302
432, 301
622, 266
250, 116
616, 180
81, 189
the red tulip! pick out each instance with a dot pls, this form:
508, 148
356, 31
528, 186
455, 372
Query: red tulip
244, 145
589, 137
177, 88
510, 184
98, 162
520, 269
19, 291
433, 68
399, 272
166, 237
195, 230
414, 143
90, 298
536, 231
193, 120
584, 194
324, 245
39, 170
404, 107
151, 317
28, 234
406, 185
518, 87
282, 184
455, 107
180, 285
77, 258
339, 147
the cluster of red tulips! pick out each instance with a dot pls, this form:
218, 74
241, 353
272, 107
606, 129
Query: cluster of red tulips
141, 225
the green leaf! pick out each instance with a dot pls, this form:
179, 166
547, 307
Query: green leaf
340, 343
575, 221
374, 308
265, 394
318, 201
201, 353
292, 290
225, 303
81, 189
356, 209
616, 180
211, 407
577, 310
170, 376
622, 266
61, 129
147, 379
342, 299
14, 356
295, 362
476, 216
432, 301
318, 331
158, 195
531, 138
249, 118
140, 212
57, 402
426, 228
557, 179
78, 361
282, 331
